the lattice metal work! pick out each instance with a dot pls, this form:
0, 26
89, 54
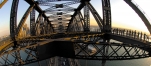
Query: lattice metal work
106, 15
78, 44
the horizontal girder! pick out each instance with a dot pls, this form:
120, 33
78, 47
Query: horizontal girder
87, 46
116, 51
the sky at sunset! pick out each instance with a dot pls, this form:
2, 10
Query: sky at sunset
122, 15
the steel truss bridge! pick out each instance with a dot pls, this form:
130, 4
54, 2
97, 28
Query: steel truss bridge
61, 35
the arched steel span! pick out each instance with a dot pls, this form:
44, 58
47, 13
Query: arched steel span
13, 19
76, 36
140, 13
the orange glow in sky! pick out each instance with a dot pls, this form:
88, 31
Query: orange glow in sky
122, 14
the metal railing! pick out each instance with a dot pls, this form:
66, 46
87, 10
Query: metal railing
131, 34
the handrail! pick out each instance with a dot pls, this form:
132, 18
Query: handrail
131, 34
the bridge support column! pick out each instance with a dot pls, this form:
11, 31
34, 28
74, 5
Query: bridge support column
86, 19
32, 22
105, 52
95, 14
106, 16
106, 37
13, 21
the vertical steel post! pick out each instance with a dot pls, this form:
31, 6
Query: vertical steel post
106, 16
32, 22
106, 25
13, 19
86, 19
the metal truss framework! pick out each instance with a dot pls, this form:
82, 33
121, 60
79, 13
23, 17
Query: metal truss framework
87, 45
106, 15
27, 51
13, 19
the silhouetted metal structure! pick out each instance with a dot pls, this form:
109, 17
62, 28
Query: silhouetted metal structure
62, 38
2, 2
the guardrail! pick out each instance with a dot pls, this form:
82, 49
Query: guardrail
131, 34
